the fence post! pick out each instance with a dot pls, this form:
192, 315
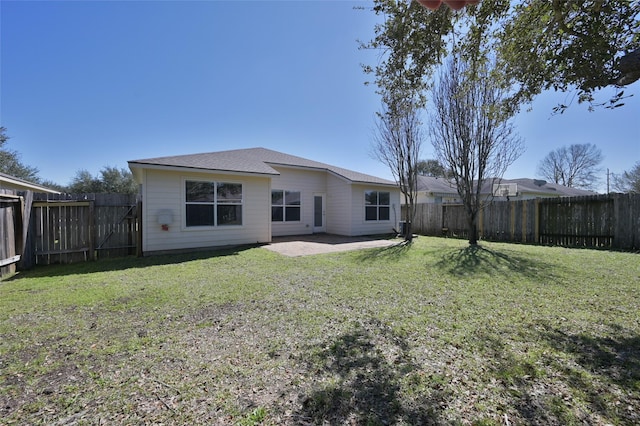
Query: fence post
623, 221
512, 219
92, 231
524, 222
536, 224
139, 220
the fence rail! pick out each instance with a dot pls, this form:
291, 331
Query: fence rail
610, 221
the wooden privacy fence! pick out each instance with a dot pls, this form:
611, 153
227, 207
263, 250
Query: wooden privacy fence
611, 221
67, 228
11, 231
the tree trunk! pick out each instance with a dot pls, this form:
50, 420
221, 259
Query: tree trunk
408, 232
473, 230
408, 216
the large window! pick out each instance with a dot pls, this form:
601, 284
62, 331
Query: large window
213, 203
285, 206
376, 205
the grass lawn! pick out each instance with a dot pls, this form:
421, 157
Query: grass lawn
431, 333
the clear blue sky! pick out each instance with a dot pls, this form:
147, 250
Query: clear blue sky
86, 84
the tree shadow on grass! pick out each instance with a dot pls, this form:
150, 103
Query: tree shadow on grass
123, 263
518, 376
394, 251
473, 260
599, 373
605, 368
361, 379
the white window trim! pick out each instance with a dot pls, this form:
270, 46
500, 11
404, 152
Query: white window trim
184, 203
284, 207
364, 210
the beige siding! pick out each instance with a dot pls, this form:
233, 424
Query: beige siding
339, 206
363, 227
308, 183
164, 191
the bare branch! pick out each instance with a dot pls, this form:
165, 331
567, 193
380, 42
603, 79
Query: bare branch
469, 133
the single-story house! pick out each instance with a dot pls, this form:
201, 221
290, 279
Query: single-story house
17, 184
247, 196
436, 190
441, 190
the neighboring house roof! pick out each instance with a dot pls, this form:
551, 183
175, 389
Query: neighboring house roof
436, 185
525, 186
540, 187
14, 183
252, 161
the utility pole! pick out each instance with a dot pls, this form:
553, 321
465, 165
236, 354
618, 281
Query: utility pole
607, 180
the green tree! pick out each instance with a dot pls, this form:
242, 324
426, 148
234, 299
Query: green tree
581, 45
10, 162
432, 167
109, 180
628, 181
118, 180
567, 44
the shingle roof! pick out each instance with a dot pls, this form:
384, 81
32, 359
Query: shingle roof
254, 160
536, 186
525, 185
436, 185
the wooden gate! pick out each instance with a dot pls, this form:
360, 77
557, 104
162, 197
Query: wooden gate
74, 228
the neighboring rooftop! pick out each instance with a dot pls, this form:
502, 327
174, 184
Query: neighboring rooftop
436, 185
538, 186
17, 184
253, 161
529, 186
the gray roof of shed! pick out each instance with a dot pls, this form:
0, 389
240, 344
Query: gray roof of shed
254, 161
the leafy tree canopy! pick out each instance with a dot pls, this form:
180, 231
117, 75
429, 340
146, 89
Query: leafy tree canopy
10, 162
109, 180
581, 45
433, 168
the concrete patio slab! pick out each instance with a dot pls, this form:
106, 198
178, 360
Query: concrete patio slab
306, 245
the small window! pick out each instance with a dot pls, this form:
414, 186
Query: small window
376, 205
285, 206
213, 203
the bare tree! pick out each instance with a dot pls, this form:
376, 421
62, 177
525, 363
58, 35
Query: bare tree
628, 181
575, 166
397, 144
470, 135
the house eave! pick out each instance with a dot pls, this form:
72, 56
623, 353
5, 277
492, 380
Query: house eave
19, 185
136, 165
